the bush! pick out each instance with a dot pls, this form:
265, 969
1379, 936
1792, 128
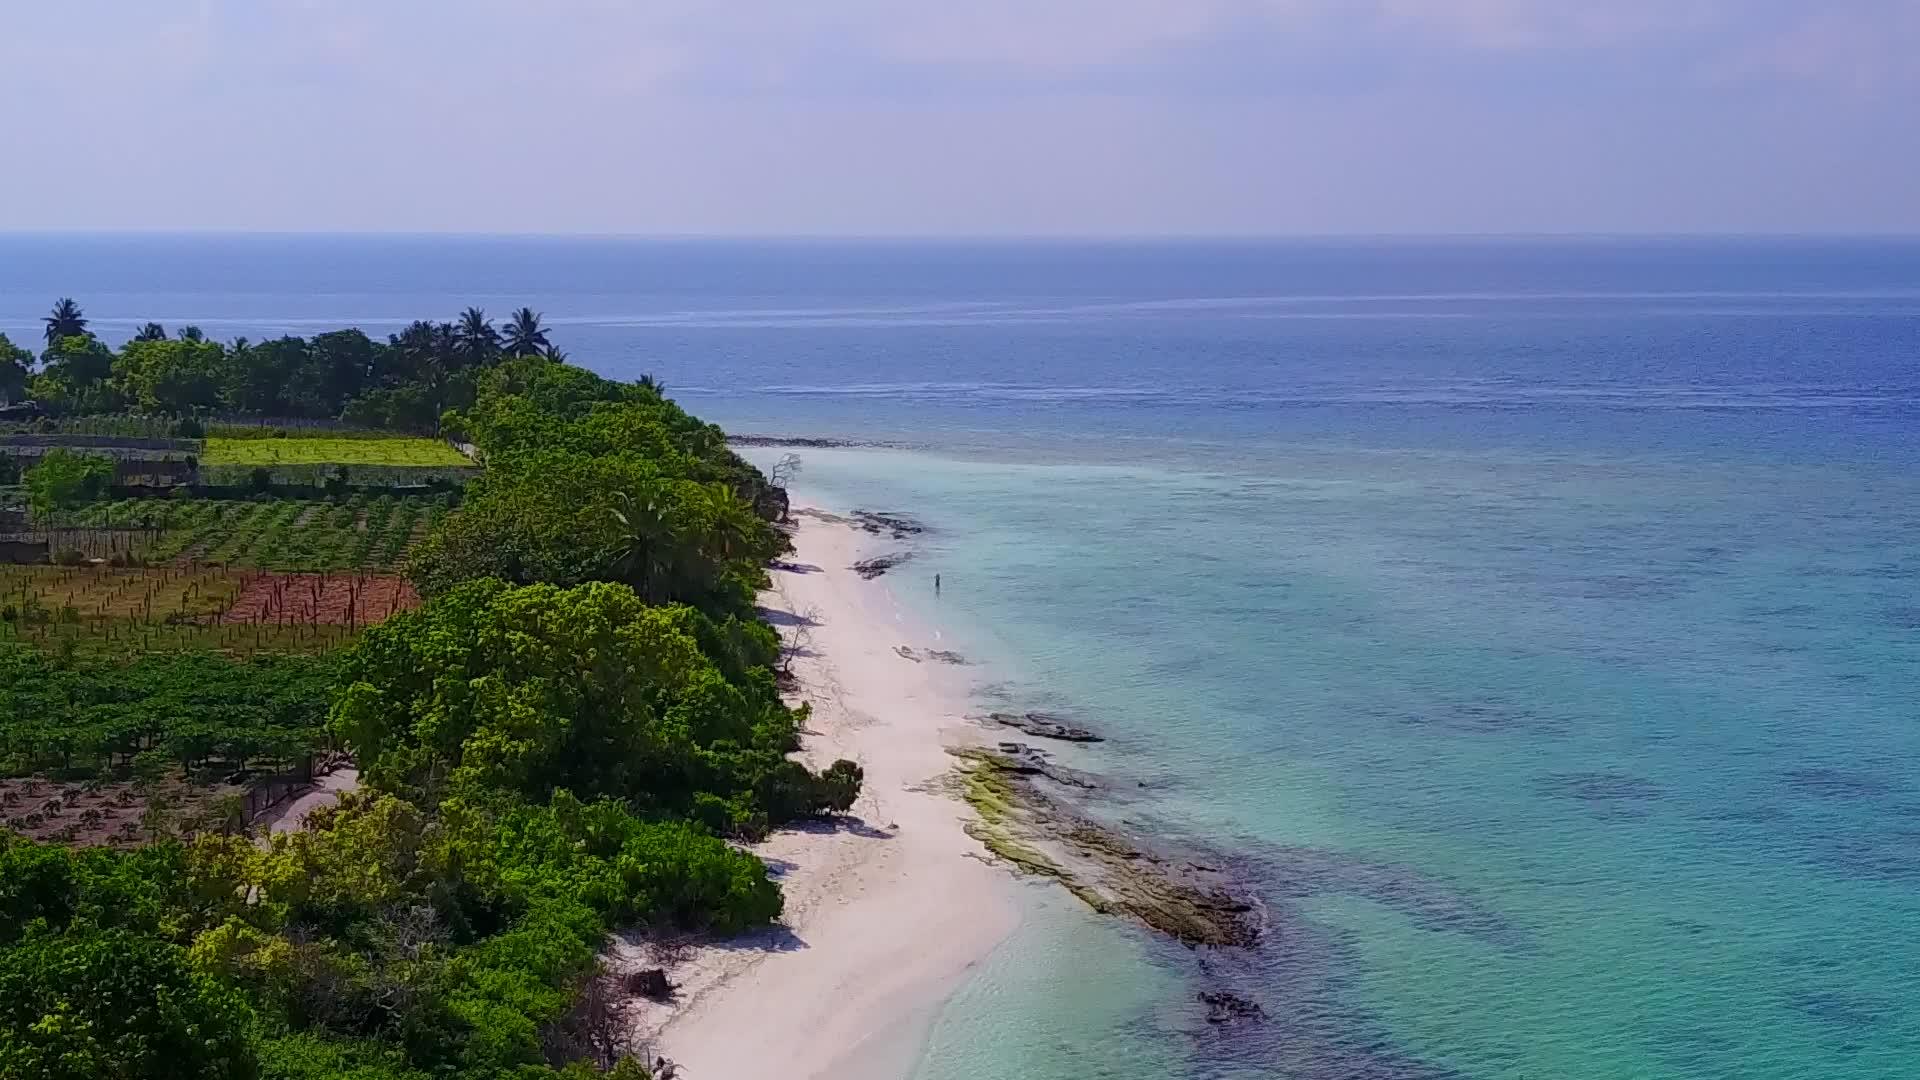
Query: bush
839, 786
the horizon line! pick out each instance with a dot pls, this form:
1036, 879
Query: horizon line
958, 238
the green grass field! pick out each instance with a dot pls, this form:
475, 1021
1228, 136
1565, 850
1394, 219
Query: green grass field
331, 451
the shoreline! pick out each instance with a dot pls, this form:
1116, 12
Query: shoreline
888, 909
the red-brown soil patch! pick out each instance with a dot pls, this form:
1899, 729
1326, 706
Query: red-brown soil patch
111, 813
330, 599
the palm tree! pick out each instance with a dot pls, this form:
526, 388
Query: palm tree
525, 336
648, 382
422, 351
732, 521
475, 340
65, 322
550, 353
153, 331
192, 333
637, 556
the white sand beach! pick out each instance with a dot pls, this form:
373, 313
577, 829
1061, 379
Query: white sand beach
885, 913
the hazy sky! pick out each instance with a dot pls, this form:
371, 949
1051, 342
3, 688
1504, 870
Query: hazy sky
962, 116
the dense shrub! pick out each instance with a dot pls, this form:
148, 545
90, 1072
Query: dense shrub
160, 889
526, 690
64, 479
563, 517
56, 714
94, 1004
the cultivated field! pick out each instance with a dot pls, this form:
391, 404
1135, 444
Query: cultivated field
365, 532
429, 453
120, 611
321, 599
116, 814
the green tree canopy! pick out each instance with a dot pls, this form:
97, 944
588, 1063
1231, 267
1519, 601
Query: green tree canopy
64, 479
190, 706
107, 1004
80, 360
526, 690
16, 367
173, 376
568, 518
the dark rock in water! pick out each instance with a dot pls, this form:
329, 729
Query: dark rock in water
898, 526
874, 567
793, 440
907, 653
1224, 1006
650, 983
1024, 760
946, 657
1044, 726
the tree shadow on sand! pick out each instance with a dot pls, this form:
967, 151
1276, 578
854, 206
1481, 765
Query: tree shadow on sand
778, 868
653, 948
787, 618
772, 939
847, 824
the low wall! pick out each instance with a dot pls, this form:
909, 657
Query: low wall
27, 552
103, 442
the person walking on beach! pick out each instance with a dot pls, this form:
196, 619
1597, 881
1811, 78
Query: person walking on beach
936, 584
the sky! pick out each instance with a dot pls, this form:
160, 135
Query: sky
962, 117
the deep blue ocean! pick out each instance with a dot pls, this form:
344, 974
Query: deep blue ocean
1535, 623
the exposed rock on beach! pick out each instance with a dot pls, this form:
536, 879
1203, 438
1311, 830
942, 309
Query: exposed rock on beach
1115, 873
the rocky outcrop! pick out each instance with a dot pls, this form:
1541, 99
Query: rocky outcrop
650, 983
897, 526
1042, 726
1024, 760
874, 567
805, 441
1037, 832
1226, 1007
938, 656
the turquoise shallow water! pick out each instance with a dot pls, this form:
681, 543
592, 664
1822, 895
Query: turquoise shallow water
1585, 767
1535, 623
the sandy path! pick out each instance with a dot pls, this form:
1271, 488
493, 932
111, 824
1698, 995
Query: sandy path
884, 914
290, 816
